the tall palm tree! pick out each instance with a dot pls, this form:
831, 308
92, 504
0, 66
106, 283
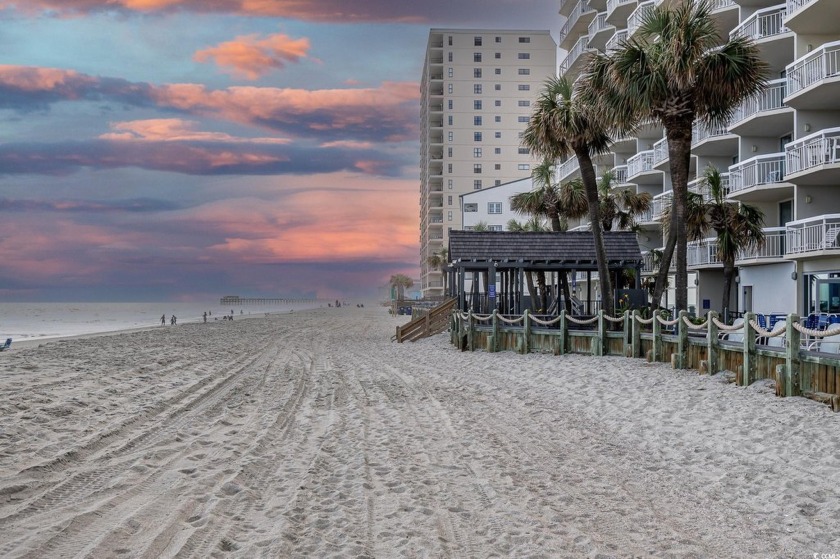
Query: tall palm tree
738, 226
675, 70
562, 125
399, 283
622, 206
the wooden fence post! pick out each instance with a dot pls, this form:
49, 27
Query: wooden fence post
564, 333
526, 332
470, 329
636, 335
712, 345
792, 361
682, 343
656, 350
494, 339
601, 337
750, 356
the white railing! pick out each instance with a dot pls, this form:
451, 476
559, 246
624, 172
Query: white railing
615, 41
771, 99
567, 168
661, 203
813, 234
721, 4
702, 252
649, 266
574, 53
637, 17
763, 23
640, 163
619, 174
598, 24
613, 4
813, 67
645, 216
701, 132
699, 186
774, 246
793, 5
817, 149
762, 169
580, 8
660, 151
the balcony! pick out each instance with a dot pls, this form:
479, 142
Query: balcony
619, 174
574, 61
813, 17
640, 169
635, 20
772, 251
661, 204
568, 169
765, 114
615, 41
813, 236
813, 81
645, 217
757, 172
649, 264
815, 159
713, 141
703, 254
600, 32
577, 24
768, 22
619, 10
660, 152
699, 186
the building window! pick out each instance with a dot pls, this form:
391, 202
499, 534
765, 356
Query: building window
477, 104
498, 182
524, 167
450, 56
476, 136
498, 39
449, 168
476, 57
450, 40
498, 87
470, 207
451, 104
477, 184
477, 168
449, 119
498, 103
477, 41
450, 136
524, 56
498, 118
450, 72
521, 72
498, 71
477, 89
498, 134
524, 87
498, 166
524, 39
449, 152
521, 103
498, 55
524, 151
494, 207
450, 88
476, 152
495, 228
449, 200
497, 151
449, 215
477, 120
449, 184
522, 119
476, 72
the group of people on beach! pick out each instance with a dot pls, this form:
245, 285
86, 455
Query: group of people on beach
173, 321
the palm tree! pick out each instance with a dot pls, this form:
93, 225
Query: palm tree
675, 71
399, 283
620, 207
439, 261
537, 292
562, 125
738, 226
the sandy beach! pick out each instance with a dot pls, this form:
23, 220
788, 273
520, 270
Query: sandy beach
312, 435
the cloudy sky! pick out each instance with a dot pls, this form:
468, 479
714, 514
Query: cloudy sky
187, 149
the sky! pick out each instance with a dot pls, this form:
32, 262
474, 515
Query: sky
156, 150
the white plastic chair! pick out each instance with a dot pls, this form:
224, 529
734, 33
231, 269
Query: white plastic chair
778, 341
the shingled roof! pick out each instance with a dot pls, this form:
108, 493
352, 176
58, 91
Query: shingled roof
575, 249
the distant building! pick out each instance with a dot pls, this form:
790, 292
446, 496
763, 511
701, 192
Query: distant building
477, 89
492, 205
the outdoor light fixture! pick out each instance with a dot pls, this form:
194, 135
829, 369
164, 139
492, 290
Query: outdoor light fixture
808, 199
754, 148
807, 127
793, 275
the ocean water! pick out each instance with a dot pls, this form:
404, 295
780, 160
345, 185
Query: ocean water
35, 321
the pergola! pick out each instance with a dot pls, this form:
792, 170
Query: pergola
501, 259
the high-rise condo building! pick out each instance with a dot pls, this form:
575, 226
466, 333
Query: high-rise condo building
477, 91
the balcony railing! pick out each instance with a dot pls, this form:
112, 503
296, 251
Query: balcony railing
614, 41
698, 186
813, 67
763, 23
619, 174
574, 53
638, 16
640, 163
613, 4
814, 150
793, 5
762, 169
771, 99
813, 234
650, 266
661, 204
721, 4
702, 252
598, 24
580, 8
645, 216
701, 132
660, 151
567, 168
774, 246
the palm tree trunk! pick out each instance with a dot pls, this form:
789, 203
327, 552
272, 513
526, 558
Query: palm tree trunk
567, 296
678, 133
728, 276
664, 269
541, 288
532, 291
587, 172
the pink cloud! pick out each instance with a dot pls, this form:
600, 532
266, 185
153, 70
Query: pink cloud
252, 57
175, 130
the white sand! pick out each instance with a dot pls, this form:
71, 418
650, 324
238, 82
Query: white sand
312, 435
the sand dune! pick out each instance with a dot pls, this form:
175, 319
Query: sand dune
312, 435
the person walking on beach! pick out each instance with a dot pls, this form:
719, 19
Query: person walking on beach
205, 317
163, 320
173, 321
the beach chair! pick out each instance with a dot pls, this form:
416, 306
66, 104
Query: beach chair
7, 345
828, 344
736, 336
778, 341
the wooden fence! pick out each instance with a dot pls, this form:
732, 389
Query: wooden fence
427, 322
753, 353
